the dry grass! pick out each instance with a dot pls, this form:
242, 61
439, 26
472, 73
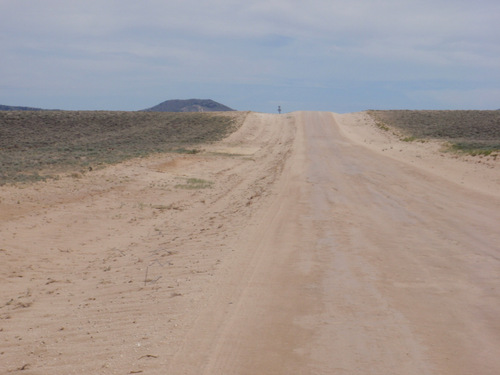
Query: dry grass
473, 132
36, 145
195, 183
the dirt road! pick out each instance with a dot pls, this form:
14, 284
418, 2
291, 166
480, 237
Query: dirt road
292, 247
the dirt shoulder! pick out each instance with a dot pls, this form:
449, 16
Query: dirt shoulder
473, 172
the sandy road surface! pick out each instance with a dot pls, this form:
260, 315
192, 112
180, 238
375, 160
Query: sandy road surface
292, 247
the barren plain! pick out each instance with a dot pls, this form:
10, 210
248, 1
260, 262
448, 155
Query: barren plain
303, 243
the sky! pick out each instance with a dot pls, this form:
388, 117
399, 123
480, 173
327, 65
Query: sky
326, 55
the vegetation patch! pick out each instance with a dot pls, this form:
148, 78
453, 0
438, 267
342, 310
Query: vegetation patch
477, 149
36, 145
195, 183
183, 150
381, 125
472, 132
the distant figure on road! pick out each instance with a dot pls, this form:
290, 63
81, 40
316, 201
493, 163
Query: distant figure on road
279, 109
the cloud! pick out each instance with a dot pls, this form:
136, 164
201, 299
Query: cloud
279, 43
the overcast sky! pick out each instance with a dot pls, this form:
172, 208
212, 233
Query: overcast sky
333, 55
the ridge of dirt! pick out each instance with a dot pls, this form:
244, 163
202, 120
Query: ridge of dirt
473, 172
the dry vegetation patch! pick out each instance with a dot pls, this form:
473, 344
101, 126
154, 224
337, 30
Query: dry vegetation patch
41, 144
473, 132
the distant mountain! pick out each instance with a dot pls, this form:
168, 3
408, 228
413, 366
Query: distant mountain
189, 105
13, 108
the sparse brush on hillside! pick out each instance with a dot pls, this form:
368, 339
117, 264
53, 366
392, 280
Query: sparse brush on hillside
42, 144
472, 132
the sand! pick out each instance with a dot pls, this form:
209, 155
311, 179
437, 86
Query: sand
304, 243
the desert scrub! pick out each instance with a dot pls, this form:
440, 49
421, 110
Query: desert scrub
472, 132
476, 149
41, 144
413, 139
195, 183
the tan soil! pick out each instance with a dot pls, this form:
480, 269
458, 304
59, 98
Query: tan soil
306, 245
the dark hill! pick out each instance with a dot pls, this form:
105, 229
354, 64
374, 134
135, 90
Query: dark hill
13, 108
189, 105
